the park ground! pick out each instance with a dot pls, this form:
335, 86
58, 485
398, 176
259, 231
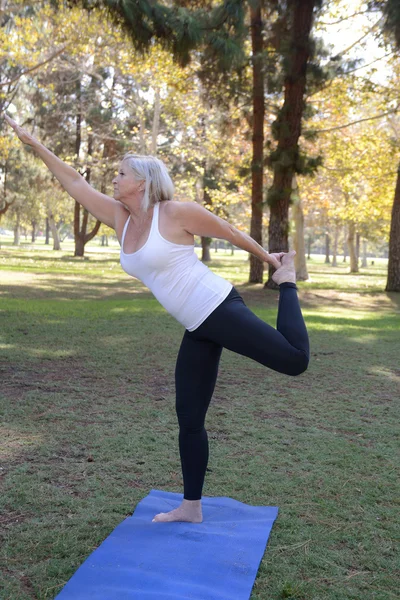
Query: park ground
87, 361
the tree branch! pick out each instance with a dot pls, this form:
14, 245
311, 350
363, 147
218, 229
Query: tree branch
368, 64
356, 14
390, 112
44, 62
5, 207
345, 73
364, 35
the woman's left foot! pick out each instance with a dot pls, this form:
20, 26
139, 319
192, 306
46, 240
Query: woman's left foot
189, 511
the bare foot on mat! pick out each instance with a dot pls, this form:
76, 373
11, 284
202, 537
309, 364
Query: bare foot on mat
189, 511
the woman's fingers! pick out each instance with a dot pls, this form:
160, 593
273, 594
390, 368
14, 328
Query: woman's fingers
274, 262
275, 259
277, 264
10, 121
23, 135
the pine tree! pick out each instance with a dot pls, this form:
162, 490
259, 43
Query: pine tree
298, 18
391, 12
217, 34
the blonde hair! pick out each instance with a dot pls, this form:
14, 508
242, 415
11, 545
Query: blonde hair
158, 186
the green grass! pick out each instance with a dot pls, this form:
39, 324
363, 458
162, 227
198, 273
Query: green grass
89, 427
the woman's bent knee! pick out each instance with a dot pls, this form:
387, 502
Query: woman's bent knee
300, 365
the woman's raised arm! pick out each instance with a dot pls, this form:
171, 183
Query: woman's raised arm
99, 205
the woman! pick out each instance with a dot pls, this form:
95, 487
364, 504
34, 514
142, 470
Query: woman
156, 235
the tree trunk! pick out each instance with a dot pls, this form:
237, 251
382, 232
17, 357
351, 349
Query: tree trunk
298, 240
5, 208
344, 244
358, 247
5, 205
257, 163
207, 202
47, 240
17, 229
393, 280
352, 249
54, 232
33, 238
79, 246
335, 246
81, 237
364, 258
140, 113
327, 248
232, 249
156, 121
309, 241
288, 125
205, 249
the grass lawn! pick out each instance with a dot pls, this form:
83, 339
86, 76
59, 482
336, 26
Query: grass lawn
89, 427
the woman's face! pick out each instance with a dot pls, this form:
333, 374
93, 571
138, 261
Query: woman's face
126, 186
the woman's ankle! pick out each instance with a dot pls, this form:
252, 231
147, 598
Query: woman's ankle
288, 284
192, 502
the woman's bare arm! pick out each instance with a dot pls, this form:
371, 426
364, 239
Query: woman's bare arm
103, 207
197, 220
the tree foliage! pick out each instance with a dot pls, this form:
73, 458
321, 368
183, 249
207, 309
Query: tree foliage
196, 117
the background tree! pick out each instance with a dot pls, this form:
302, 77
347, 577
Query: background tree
391, 12
298, 21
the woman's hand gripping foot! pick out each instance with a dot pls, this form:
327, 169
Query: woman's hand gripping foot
287, 270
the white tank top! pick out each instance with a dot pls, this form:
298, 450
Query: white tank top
184, 285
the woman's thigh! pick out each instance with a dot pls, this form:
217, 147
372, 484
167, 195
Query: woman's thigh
195, 376
235, 327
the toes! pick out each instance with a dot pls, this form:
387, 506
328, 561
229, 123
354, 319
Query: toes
165, 517
158, 517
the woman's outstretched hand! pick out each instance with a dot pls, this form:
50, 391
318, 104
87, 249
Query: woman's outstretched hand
274, 259
23, 135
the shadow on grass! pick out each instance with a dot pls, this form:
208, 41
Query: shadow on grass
43, 258
31, 260
63, 288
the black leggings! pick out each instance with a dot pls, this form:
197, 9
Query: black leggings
234, 326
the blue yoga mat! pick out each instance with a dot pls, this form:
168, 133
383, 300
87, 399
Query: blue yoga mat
217, 559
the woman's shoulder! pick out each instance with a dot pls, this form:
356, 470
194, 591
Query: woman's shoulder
175, 208
172, 227
172, 205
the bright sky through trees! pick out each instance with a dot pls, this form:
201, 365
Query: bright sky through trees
352, 31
